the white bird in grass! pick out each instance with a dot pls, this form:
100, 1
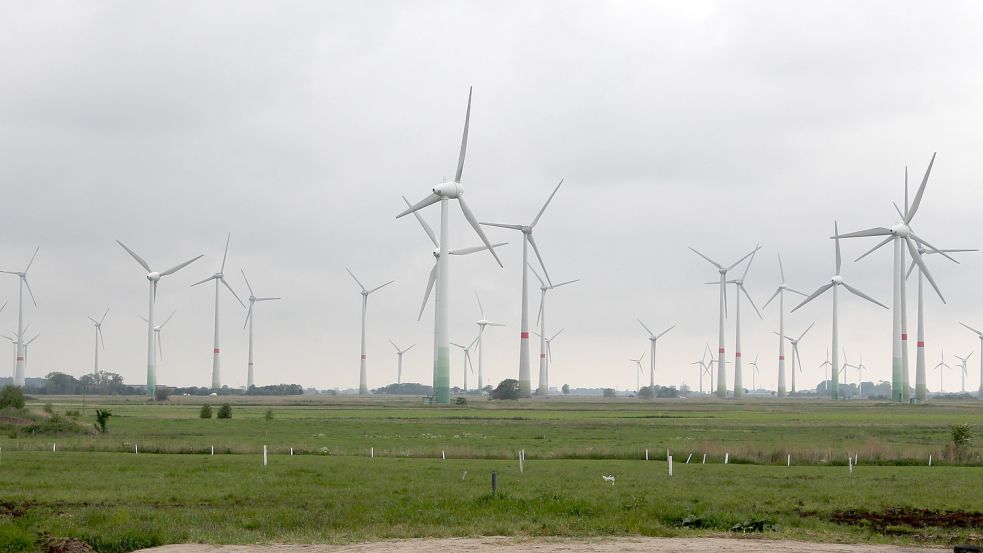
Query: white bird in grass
608, 478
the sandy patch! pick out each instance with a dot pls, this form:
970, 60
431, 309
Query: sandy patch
511, 545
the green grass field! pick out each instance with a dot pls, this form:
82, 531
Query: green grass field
95, 488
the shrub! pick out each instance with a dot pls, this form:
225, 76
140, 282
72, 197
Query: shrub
962, 435
225, 411
608, 392
268, 415
646, 392
11, 396
206, 411
507, 389
161, 393
72, 413
566, 389
461, 401
102, 417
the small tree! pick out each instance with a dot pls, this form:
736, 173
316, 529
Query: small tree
566, 389
102, 417
269, 415
225, 411
608, 392
161, 393
646, 393
206, 411
12, 396
962, 436
507, 389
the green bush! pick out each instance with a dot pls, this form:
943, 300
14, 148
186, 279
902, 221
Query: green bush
206, 411
507, 389
268, 415
11, 396
102, 417
225, 411
161, 393
608, 392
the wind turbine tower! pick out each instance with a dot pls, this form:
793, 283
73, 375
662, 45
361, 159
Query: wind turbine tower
219, 277
780, 293
99, 339
22, 275
363, 386
249, 320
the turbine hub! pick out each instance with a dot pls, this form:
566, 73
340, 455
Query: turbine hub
153, 277
837, 279
901, 230
218, 275
436, 254
482, 322
449, 190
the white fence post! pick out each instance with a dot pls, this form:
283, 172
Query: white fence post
726, 458
264, 455
670, 465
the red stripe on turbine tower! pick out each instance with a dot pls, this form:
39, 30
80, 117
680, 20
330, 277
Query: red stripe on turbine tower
216, 350
921, 344
721, 350
904, 335
542, 356
363, 357
524, 335
737, 354
781, 357
20, 358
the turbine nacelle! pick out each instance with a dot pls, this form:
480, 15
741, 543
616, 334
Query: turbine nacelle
154, 276
837, 279
900, 230
449, 190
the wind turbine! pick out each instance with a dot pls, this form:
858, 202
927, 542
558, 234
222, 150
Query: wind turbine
638, 363
963, 372
249, 320
653, 338
703, 368
99, 339
399, 361
780, 293
467, 360
721, 370
482, 323
441, 193
795, 352
36, 336
22, 275
846, 365
739, 285
219, 277
544, 376
835, 282
153, 277
525, 386
860, 376
921, 388
980, 335
901, 234
942, 364
754, 364
549, 349
826, 365
363, 387
160, 345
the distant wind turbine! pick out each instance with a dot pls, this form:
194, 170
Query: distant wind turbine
544, 376
99, 339
721, 361
363, 386
962, 369
739, 287
795, 353
653, 338
482, 323
980, 335
157, 328
219, 277
22, 275
754, 372
153, 277
249, 320
467, 360
940, 366
638, 363
780, 294
525, 383
399, 361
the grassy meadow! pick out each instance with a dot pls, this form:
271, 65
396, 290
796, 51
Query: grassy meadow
95, 488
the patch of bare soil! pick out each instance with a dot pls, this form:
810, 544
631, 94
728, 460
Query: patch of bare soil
915, 518
514, 545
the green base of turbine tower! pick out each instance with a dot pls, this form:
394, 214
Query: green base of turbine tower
442, 377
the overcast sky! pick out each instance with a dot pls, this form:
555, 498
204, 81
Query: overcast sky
297, 126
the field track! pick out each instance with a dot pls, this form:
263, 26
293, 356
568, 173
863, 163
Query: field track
510, 545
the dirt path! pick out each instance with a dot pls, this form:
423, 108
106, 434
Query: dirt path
510, 545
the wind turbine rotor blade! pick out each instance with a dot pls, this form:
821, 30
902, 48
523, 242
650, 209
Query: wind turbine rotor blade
978, 333
238, 299
875, 231
564, 283
101, 339
836, 234
795, 350
503, 225
781, 268
494, 324
359, 282
29, 291
715, 264
858, 293
646, 328
204, 280
381, 286
249, 313
432, 198
135, 256
426, 296
100, 320
875, 248
931, 248
177, 268
773, 296
160, 346
535, 249
395, 347
167, 320
226, 254
814, 295
898, 209
542, 300
545, 205
248, 286
921, 191
557, 334
748, 296
911, 267
738, 262
408, 349
481, 309
142, 318
268, 299
464, 141
31, 262
535, 274
794, 291
426, 227
917, 258
94, 321
801, 336
469, 215
750, 261
664, 332
473, 249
